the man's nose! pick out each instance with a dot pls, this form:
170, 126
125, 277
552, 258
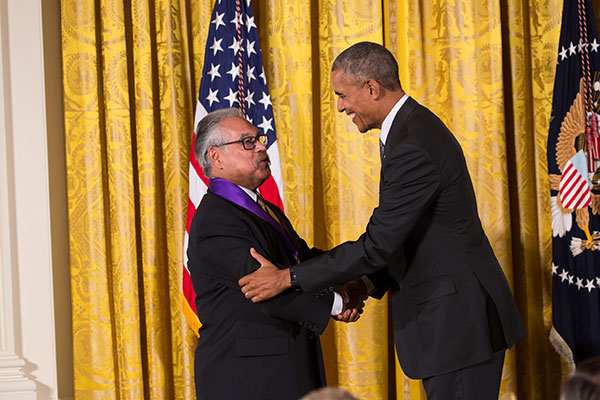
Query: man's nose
260, 146
340, 106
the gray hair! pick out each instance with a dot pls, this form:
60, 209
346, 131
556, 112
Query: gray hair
209, 133
367, 60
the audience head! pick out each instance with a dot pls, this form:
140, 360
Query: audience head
585, 383
329, 393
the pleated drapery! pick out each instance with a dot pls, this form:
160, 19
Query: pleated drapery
131, 70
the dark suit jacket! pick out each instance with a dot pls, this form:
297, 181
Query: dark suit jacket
451, 303
248, 351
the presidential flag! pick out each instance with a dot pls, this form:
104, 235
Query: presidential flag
575, 187
233, 76
573, 162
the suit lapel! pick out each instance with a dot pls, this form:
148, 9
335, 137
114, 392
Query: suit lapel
267, 228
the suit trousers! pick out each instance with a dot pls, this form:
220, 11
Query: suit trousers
477, 382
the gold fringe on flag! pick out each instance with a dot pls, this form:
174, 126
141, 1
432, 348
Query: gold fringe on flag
563, 349
190, 316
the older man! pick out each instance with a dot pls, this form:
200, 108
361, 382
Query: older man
453, 313
245, 350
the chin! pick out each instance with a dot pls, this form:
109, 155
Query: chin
261, 181
265, 175
361, 128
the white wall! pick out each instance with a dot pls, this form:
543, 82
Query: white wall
28, 206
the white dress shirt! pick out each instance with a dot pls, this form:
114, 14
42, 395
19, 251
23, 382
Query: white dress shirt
387, 122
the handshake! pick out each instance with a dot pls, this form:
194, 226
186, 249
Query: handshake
354, 294
268, 281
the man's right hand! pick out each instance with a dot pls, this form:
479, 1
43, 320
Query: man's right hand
266, 282
354, 294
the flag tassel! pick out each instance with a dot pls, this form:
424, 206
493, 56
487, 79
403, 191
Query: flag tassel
190, 316
593, 141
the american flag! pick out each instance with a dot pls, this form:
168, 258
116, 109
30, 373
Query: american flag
575, 231
574, 188
233, 76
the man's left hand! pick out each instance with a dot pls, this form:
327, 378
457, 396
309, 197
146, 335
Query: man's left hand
266, 282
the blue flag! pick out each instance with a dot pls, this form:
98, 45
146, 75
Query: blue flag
576, 231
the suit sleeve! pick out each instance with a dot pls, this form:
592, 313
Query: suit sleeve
221, 251
410, 184
382, 281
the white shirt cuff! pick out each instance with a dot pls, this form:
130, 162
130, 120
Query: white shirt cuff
338, 304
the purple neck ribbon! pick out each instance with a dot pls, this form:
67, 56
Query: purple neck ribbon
232, 192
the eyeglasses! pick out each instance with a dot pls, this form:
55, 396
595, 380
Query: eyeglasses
249, 142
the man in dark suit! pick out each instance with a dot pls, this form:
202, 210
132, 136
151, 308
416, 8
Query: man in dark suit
249, 351
453, 313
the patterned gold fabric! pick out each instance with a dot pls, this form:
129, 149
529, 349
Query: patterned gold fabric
131, 70
128, 96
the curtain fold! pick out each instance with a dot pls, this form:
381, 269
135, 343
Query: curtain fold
128, 93
530, 41
131, 70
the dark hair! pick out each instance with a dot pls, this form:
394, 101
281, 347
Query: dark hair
585, 383
208, 133
367, 60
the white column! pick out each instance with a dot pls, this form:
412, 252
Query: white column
27, 340
13, 381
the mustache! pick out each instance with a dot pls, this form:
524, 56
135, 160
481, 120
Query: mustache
262, 156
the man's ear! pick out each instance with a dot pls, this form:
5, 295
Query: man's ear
374, 88
213, 156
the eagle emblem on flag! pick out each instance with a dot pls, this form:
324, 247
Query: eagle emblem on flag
573, 184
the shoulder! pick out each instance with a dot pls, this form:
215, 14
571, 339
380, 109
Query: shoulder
420, 128
214, 210
423, 123
210, 204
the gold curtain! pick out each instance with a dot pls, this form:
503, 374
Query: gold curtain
131, 70
129, 73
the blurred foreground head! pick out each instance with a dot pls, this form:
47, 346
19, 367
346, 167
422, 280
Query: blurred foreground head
585, 383
329, 393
